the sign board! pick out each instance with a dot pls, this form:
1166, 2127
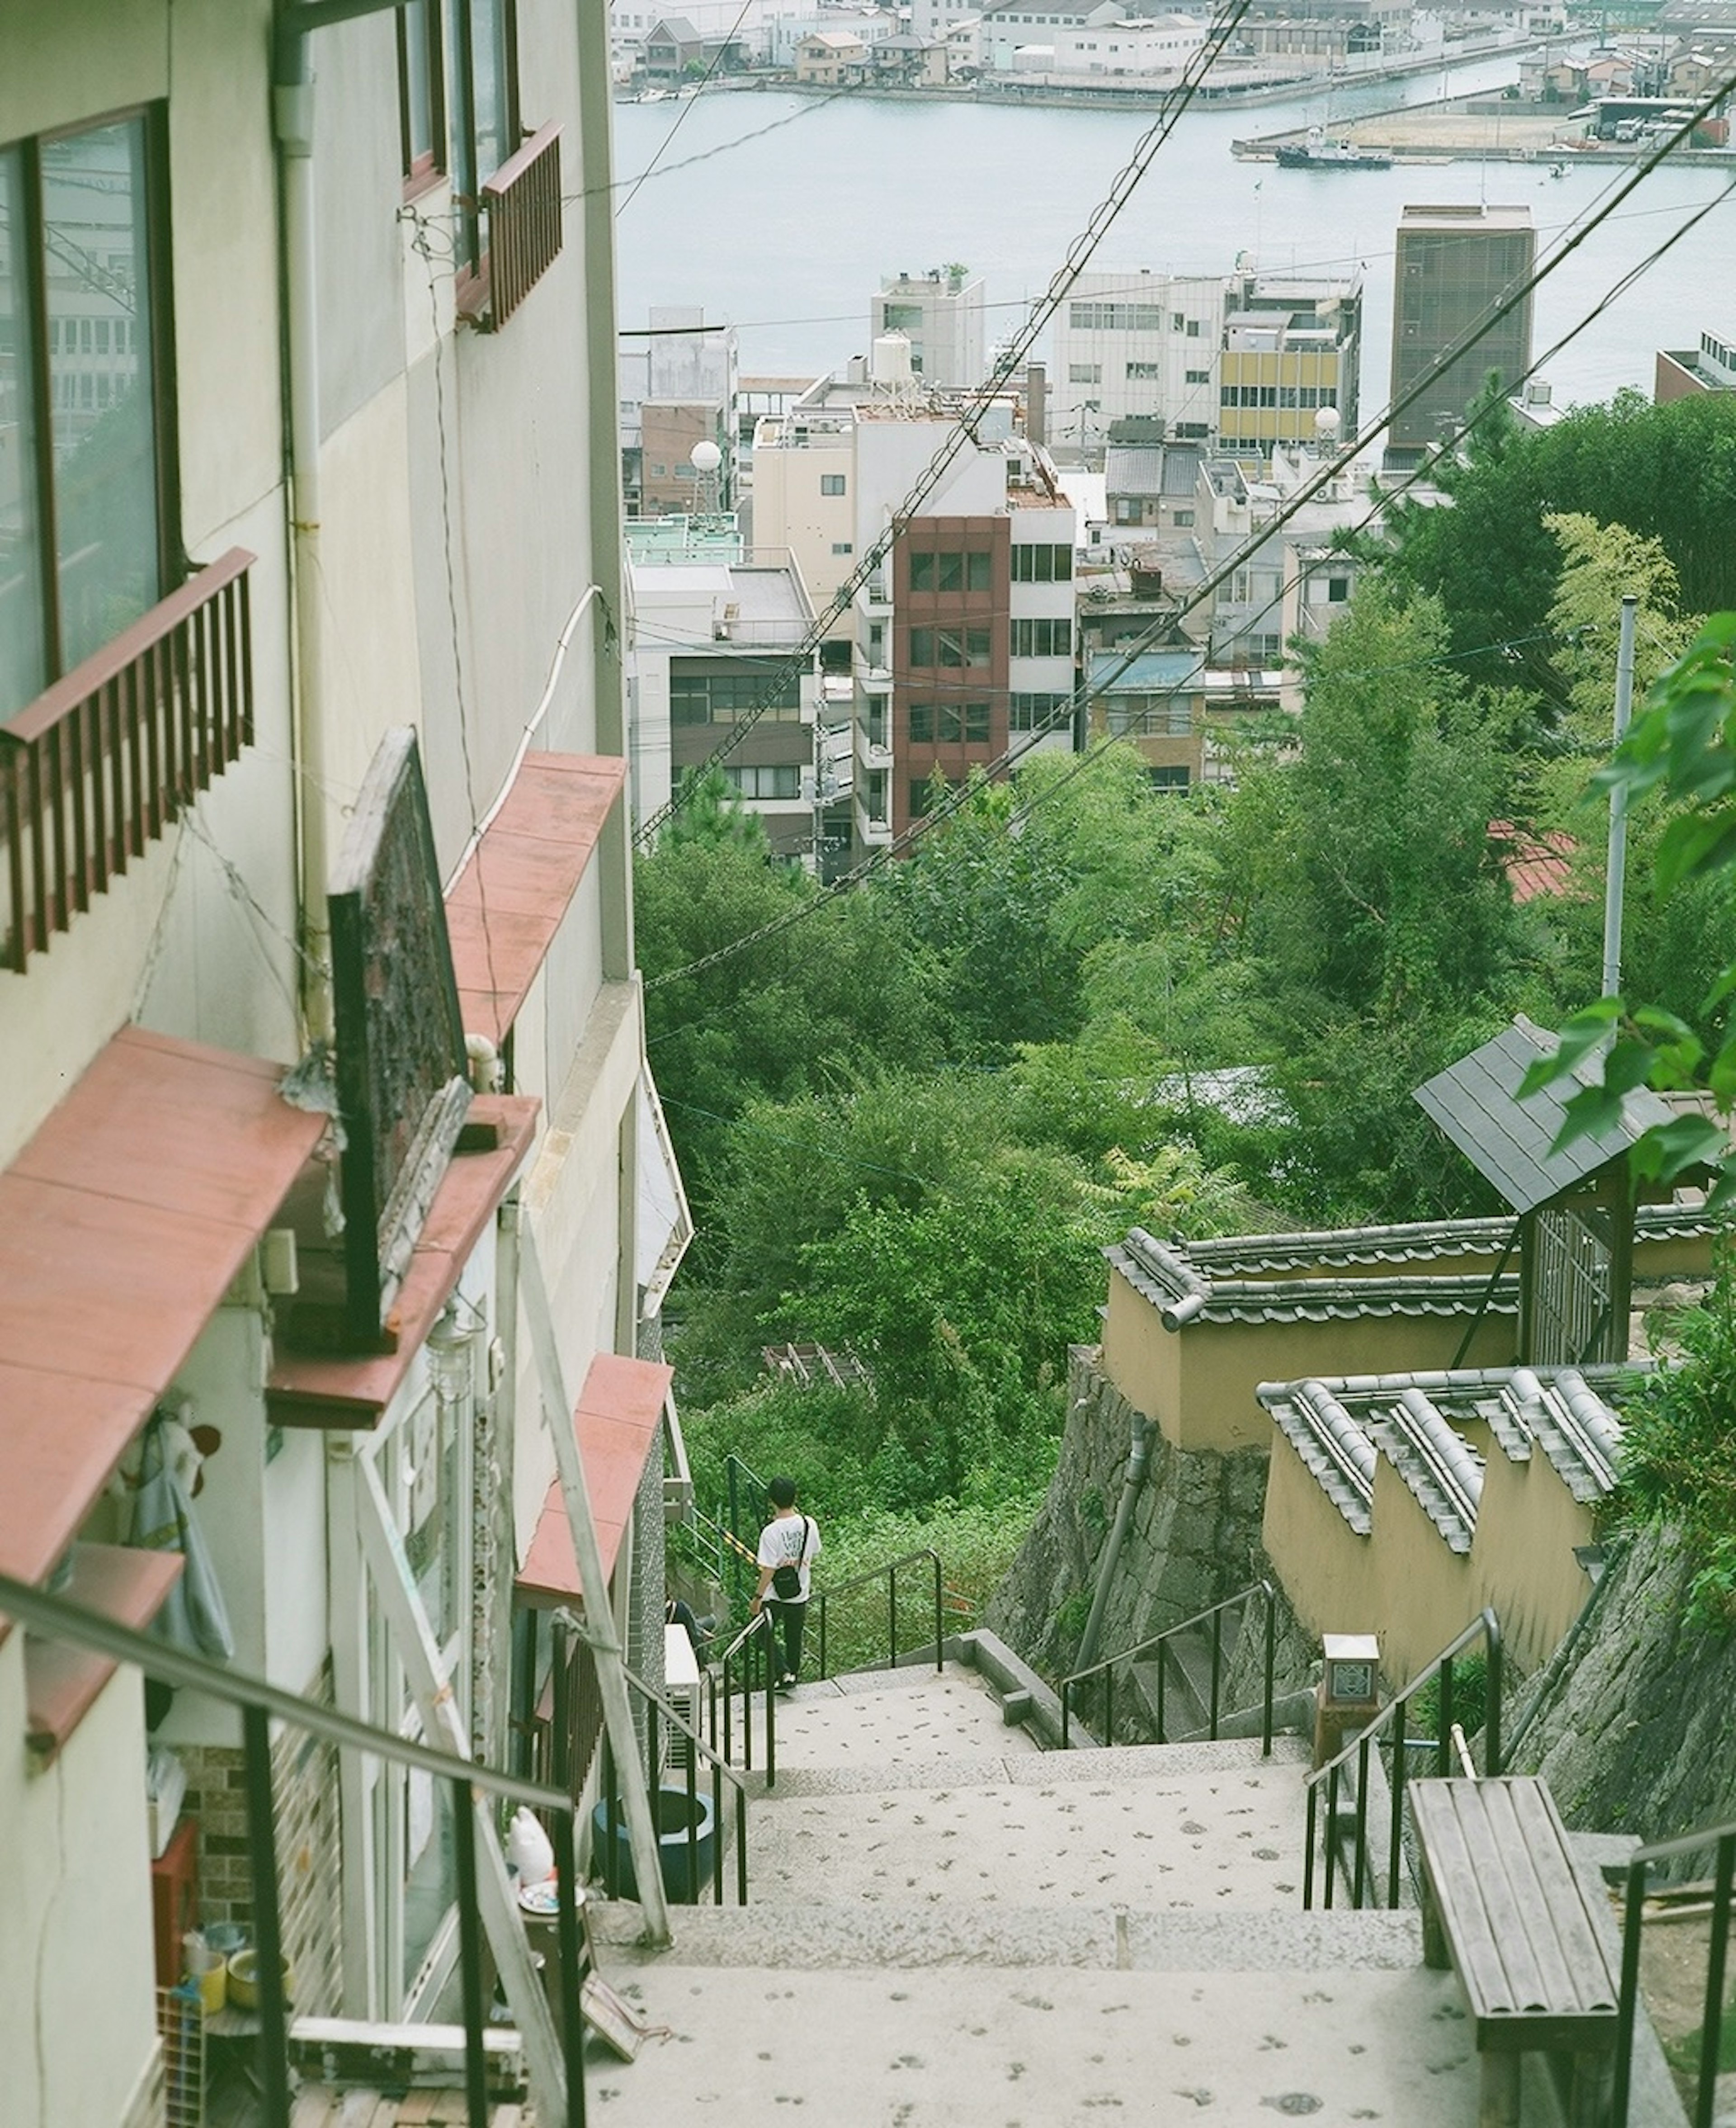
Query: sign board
402, 1091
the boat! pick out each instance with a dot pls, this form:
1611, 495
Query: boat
1319, 153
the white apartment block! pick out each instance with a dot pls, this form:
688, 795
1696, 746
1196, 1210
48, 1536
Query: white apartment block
1097, 54
941, 313
1048, 24
1135, 343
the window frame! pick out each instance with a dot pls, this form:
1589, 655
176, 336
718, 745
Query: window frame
37, 473
460, 103
424, 170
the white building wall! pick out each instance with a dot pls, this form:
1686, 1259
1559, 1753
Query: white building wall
1133, 342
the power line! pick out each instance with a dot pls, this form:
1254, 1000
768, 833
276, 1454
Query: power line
963, 429
1305, 494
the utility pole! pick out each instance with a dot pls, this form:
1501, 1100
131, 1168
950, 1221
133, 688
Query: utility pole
1615, 875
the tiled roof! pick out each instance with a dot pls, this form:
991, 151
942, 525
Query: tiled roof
1335, 1448
1169, 1281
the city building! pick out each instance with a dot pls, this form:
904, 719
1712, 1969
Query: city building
1292, 349
1454, 266
1682, 372
1109, 47
714, 641
940, 314
312, 815
680, 386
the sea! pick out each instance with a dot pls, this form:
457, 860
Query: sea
782, 215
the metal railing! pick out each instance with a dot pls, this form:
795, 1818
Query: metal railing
1390, 1723
101, 763
1106, 1668
750, 1658
659, 1709
523, 203
1722, 1840
259, 1702
824, 1598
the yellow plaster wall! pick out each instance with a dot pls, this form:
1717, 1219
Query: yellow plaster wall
1327, 1570
1522, 1555
1423, 1591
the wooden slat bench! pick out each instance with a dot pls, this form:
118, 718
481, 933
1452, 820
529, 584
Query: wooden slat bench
1502, 1903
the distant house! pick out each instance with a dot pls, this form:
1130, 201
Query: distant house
830, 58
675, 47
915, 62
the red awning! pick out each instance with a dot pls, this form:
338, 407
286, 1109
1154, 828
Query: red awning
507, 904
616, 1424
321, 1388
122, 1224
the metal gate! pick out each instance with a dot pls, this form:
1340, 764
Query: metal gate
1571, 1320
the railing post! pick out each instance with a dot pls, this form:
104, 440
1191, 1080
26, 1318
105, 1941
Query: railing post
771, 1719
1627, 2002
1396, 1847
1360, 1867
1265, 1731
1218, 1642
1066, 1711
1163, 1673
741, 1846
892, 1616
693, 1826
1491, 1709
1109, 1705
940, 1660
572, 1977
1331, 1833
262, 1841
717, 1845
1443, 1743
1711, 2030
470, 1953
823, 1671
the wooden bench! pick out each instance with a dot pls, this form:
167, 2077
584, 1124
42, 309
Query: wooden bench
1503, 1904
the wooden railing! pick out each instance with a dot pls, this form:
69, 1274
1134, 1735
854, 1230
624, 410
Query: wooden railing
523, 203
100, 765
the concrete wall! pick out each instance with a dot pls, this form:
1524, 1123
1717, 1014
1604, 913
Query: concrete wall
1198, 1382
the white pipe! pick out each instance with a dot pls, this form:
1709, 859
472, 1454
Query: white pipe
531, 729
292, 111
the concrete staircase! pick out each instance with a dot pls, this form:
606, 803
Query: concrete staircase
950, 1925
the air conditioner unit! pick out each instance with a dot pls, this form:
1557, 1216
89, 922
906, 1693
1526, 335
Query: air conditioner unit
681, 1689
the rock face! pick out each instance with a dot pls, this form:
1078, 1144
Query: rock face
1192, 1541
1636, 1731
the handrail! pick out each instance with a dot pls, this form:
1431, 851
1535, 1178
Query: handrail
1485, 1626
1215, 1613
258, 1701
1723, 1838
871, 1574
759, 1625
658, 1705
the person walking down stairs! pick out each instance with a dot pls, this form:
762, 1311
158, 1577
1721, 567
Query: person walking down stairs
789, 1545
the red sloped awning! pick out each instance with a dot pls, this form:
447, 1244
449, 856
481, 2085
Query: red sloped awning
505, 906
619, 1411
123, 1223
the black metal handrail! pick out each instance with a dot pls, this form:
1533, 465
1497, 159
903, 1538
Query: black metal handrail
1105, 1668
824, 1597
1485, 1627
756, 1645
659, 1709
257, 1702
1722, 1839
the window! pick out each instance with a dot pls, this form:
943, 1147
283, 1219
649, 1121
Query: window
832, 483
1084, 372
1197, 375
83, 501
1177, 321
949, 573
421, 98
1116, 317
876, 721
1159, 715
483, 110
1181, 517
1036, 712
843, 547
1189, 430
953, 648
876, 794
780, 780
952, 724
1144, 373
1338, 590
1193, 328
1043, 565
724, 691
1173, 778
1042, 639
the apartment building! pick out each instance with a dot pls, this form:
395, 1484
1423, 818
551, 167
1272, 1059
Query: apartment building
1454, 267
940, 314
313, 900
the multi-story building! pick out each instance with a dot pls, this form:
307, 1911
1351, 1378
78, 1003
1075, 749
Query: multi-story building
1682, 372
679, 383
715, 639
940, 314
1454, 267
312, 756
1108, 48
1292, 349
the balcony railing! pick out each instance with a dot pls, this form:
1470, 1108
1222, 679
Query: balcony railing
100, 765
523, 203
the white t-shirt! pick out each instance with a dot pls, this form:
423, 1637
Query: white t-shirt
789, 1540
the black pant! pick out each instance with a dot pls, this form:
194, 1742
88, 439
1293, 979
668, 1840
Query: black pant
788, 1619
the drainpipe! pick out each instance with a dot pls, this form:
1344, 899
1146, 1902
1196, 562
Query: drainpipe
1139, 1459
292, 116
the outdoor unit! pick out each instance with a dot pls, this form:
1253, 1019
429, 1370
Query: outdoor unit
681, 1689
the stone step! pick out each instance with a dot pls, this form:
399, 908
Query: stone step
980, 2045
825, 1935
1123, 1765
